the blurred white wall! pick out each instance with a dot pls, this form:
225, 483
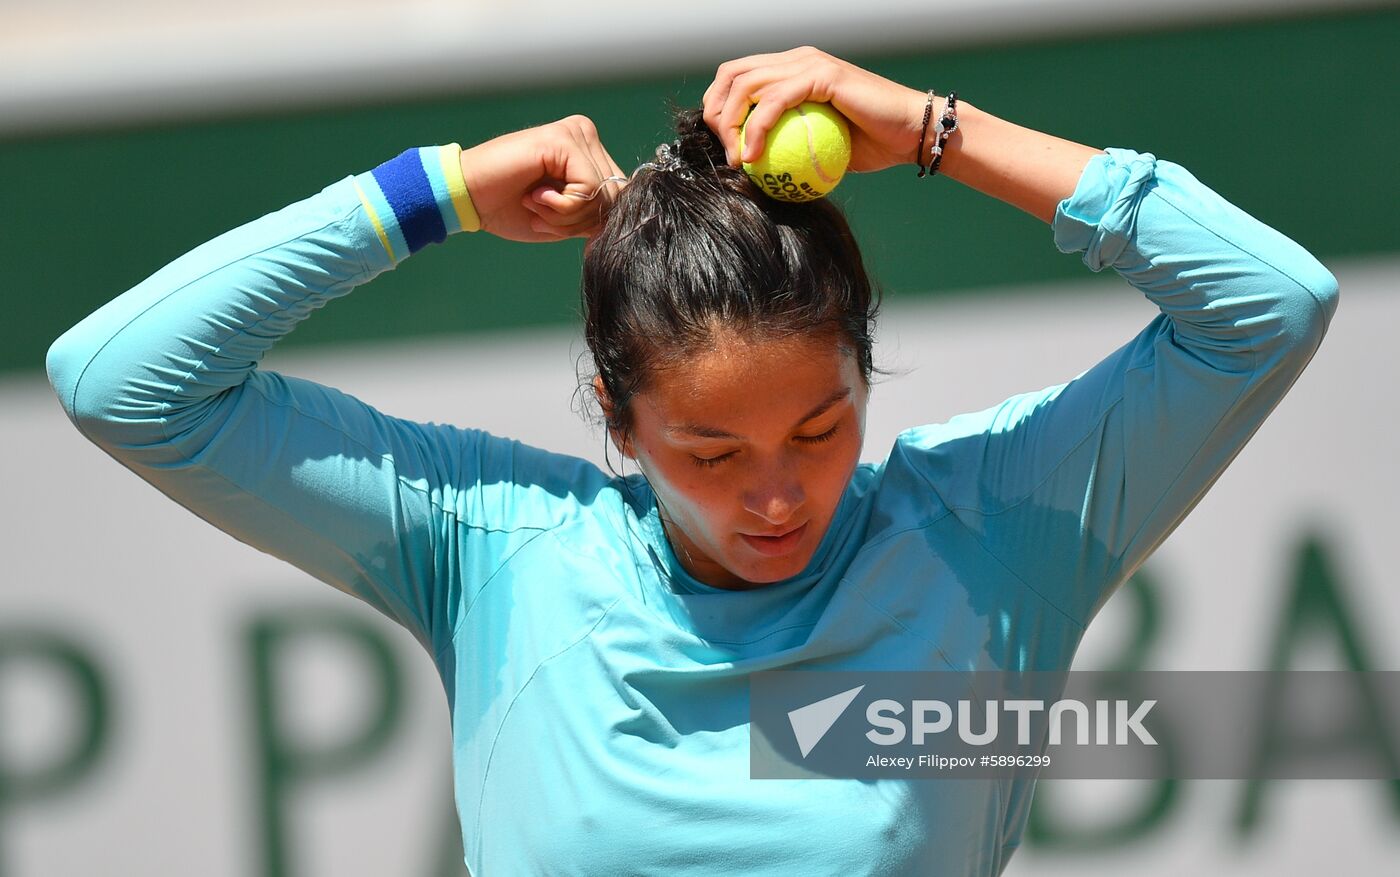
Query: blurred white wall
77, 63
165, 608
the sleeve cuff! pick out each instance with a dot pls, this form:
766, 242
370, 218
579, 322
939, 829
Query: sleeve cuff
1098, 219
417, 198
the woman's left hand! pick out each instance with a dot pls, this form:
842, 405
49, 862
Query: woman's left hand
885, 116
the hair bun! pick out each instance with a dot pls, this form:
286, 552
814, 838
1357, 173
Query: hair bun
696, 143
694, 158
692, 244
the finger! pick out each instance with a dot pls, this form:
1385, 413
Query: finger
606, 178
591, 142
774, 101
567, 161
715, 96
575, 214
607, 188
575, 199
586, 142
726, 92
553, 199
750, 89
730, 111
576, 182
559, 224
549, 230
610, 189
588, 165
546, 232
562, 233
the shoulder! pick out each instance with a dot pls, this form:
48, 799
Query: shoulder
959, 462
507, 483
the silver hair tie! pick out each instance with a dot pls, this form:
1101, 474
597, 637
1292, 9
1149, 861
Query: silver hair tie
668, 158
591, 195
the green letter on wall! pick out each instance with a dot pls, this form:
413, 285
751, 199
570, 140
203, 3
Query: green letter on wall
1315, 605
285, 762
24, 784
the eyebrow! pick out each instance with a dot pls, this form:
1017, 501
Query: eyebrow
712, 432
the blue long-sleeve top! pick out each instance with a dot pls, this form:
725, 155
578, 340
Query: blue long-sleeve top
598, 693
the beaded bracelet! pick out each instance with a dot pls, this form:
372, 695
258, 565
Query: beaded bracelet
943, 129
923, 132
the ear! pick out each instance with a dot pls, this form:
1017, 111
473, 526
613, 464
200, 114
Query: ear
620, 440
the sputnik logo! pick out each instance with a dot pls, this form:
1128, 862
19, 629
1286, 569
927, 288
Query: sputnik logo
811, 722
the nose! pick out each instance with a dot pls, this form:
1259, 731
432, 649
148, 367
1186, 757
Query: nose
776, 499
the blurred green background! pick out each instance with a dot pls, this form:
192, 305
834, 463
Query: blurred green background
1293, 118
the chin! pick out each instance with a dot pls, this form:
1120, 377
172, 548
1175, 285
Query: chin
766, 572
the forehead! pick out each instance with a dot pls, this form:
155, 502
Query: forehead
737, 377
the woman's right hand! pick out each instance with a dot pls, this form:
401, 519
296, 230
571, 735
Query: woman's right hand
885, 116
532, 185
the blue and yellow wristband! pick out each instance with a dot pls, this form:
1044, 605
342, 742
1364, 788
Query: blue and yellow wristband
417, 198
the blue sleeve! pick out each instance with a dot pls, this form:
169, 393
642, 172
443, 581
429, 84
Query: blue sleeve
1071, 488
410, 517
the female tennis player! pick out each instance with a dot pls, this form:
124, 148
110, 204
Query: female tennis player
594, 631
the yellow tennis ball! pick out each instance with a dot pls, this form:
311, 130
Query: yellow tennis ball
805, 155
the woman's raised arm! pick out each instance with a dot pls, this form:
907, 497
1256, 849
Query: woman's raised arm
165, 379
1073, 486
1026, 168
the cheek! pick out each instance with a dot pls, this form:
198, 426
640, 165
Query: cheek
706, 503
694, 497
833, 473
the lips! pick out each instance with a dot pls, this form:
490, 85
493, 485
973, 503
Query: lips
777, 544
779, 534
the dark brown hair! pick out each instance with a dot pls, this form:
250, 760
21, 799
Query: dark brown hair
691, 245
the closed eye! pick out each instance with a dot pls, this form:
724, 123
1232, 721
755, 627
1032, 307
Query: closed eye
707, 462
818, 439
